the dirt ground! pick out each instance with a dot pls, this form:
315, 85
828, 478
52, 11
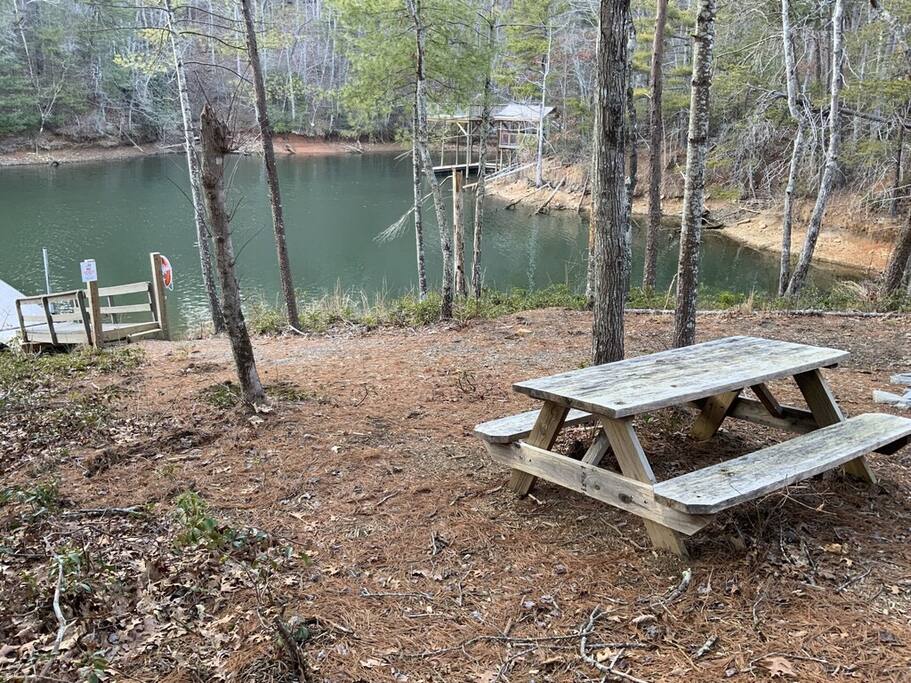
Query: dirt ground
852, 236
395, 541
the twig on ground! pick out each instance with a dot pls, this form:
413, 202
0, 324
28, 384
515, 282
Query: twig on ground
677, 591
853, 580
706, 646
584, 632
105, 512
367, 594
385, 498
61, 621
294, 652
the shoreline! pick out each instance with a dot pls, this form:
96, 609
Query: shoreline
285, 146
842, 243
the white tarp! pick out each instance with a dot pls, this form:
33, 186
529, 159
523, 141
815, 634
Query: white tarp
9, 322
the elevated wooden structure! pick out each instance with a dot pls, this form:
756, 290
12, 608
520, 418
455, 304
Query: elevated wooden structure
79, 316
514, 126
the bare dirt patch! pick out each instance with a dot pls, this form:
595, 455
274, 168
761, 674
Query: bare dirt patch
363, 511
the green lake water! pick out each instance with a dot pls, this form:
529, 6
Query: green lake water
117, 212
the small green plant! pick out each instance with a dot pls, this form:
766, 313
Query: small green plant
201, 528
223, 395
286, 391
43, 498
94, 668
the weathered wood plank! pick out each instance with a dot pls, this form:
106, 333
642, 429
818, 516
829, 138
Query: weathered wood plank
634, 464
515, 427
822, 404
767, 399
722, 486
603, 485
792, 419
124, 330
543, 435
714, 410
131, 288
661, 380
126, 308
597, 450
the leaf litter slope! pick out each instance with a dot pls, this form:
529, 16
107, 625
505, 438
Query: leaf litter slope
363, 514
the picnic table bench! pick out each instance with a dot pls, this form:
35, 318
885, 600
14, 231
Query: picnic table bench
711, 376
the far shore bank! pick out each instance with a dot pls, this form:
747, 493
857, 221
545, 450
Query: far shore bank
285, 145
852, 237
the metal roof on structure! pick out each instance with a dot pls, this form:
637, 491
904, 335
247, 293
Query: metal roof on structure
511, 111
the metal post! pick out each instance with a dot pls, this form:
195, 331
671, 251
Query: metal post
47, 272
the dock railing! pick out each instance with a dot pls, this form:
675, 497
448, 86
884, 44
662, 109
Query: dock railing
93, 316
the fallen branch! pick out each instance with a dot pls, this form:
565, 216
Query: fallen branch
106, 512
677, 591
584, 632
553, 194
706, 646
61, 621
513, 203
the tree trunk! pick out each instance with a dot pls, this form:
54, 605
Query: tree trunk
458, 235
898, 261
633, 154
694, 183
539, 162
275, 197
215, 144
418, 207
655, 161
199, 211
480, 188
420, 31
798, 113
609, 182
897, 190
802, 269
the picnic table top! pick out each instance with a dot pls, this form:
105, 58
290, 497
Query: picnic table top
668, 378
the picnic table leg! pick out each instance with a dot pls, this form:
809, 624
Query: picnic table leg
543, 435
635, 465
713, 413
822, 404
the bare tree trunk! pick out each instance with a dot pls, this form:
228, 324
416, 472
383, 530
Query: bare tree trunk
275, 197
897, 190
609, 182
215, 144
632, 132
418, 207
802, 269
539, 162
655, 161
458, 235
420, 31
694, 183
798, 113
898, 261
199, 211
480, 188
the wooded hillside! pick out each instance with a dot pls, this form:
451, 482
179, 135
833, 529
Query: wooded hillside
105, 70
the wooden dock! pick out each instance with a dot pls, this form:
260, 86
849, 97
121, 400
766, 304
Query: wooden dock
467, 169
79, 316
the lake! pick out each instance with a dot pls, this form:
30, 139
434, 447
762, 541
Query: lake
117, 212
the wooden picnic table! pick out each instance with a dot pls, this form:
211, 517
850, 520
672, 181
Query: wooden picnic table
713, 377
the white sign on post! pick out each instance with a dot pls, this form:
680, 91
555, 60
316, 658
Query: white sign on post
89, 270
